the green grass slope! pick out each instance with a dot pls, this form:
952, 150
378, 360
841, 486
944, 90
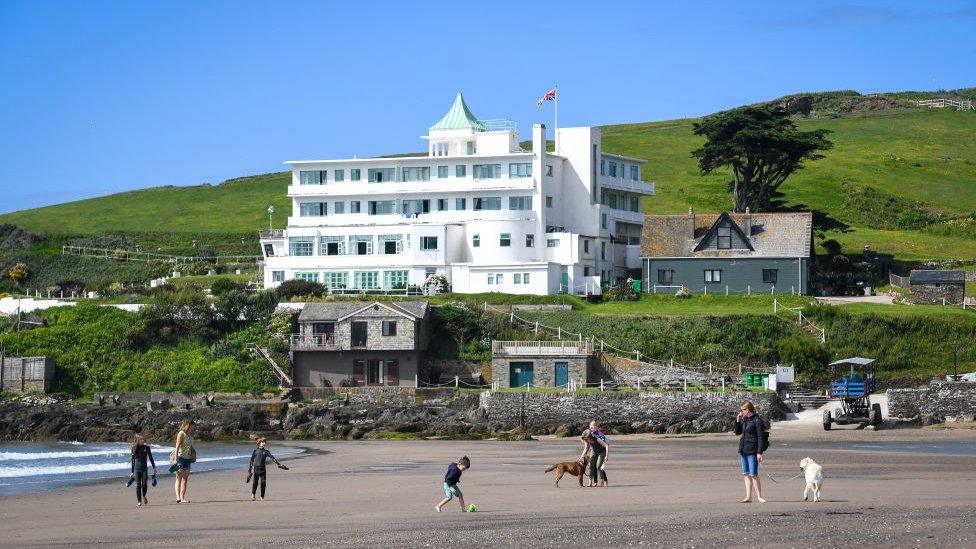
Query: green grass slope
888, 158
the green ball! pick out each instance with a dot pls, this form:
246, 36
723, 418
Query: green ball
472, 508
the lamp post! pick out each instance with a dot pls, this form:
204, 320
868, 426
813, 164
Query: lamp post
270, 213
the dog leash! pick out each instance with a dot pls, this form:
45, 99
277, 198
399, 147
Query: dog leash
770, 477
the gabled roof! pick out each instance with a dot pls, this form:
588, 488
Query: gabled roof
786, 234
723, 217
937, 277
459, 117
339, 310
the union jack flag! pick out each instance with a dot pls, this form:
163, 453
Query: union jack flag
549, 96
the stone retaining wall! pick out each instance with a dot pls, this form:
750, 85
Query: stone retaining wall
644, 412
390, 396
942, 399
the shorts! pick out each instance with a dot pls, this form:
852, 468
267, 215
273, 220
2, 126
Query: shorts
749, 464
183, 464
451, 491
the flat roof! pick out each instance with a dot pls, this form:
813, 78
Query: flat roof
630, 158
401, 158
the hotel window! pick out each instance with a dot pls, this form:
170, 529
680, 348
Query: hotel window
548, 201
603, 221
277, 276
635, 203
725, 238
335, 279
491, 279
441, 172
586, 246
476, 241
603, 251
428, 271
380, 175
530, 241
307, 276
487, 171
354, 207
471, 147
312, 209
505, 240
603, 167
332, 245
442, 205
301, 245
428, 243
339, 207
770, 276
394, 280
416, 206
460, 203
634, 172
587, 271
488, 203
713, 276
361, 244
499, 279
460, 170
391, 244
525, 278
382, 207
340, 175
354, 174
269, 250
521, 169
552, 243
312, 177
517, 278
415, 174
520, 203
612, 169
389, 326
367, 280
665, 276
549, 170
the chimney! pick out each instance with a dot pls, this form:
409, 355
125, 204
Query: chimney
748, 223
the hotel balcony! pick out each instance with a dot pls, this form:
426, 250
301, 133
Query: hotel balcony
316, 342
446, 185
627, 185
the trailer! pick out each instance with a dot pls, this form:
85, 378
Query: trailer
853, 392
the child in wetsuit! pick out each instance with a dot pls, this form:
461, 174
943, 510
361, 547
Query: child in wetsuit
141, 453
257, 470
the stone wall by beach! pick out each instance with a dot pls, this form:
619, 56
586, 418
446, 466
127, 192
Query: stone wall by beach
942, 400
624, 412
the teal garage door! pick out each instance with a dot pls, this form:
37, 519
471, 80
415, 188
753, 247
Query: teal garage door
521, 373
562, 374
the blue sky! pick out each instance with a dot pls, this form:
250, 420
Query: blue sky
100, 97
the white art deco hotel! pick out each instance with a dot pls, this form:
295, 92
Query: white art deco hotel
477, 208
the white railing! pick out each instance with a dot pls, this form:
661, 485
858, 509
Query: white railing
500, 125
941, 103
313, 341
512, 348
136, 255
630, 185
801, 320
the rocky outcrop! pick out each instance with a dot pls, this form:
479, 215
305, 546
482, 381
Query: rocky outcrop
935, 402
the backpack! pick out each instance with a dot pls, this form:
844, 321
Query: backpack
765, 445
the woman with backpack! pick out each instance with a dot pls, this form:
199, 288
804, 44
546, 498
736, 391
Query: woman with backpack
753, 441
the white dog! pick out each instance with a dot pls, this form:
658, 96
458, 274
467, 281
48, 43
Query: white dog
814, 476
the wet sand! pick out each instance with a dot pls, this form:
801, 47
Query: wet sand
665, 491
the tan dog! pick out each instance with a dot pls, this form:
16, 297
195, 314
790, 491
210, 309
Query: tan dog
575, 468
814, 477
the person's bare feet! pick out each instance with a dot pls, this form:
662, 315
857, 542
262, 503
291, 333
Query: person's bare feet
253, 497
145, 501
436, 508
747, 500
761, 500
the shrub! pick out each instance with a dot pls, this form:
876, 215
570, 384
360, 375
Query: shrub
224, 285
293, 288
807, 355
621, 291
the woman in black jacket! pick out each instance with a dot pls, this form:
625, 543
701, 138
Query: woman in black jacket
752, 443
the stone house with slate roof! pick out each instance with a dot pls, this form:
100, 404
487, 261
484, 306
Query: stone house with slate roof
937, 287
727, 253
359, 344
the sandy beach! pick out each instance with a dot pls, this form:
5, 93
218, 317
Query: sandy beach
665, 491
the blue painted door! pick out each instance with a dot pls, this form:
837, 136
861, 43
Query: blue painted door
564, 283
521, 373
562, 374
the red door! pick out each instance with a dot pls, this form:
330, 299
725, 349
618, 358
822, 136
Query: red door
358, 372
392, 372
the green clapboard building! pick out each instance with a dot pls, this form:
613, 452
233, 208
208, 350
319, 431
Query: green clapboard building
737, 253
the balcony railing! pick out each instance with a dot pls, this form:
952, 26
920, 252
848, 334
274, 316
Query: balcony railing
531, 348
274, 233
313, 342
624, 184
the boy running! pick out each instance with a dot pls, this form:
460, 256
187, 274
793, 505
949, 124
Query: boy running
451, 486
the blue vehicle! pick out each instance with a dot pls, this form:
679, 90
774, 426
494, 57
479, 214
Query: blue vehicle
854, 393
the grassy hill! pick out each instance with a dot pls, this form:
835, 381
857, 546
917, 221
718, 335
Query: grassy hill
900, 179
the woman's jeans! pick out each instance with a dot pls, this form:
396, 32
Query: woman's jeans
596, 464
749, 464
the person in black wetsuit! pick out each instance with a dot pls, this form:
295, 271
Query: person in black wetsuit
257, 470
141, 453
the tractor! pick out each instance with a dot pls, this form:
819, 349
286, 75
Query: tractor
853, 391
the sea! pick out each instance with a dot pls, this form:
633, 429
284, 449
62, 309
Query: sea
33, 467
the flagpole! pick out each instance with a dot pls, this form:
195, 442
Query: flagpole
555, 120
